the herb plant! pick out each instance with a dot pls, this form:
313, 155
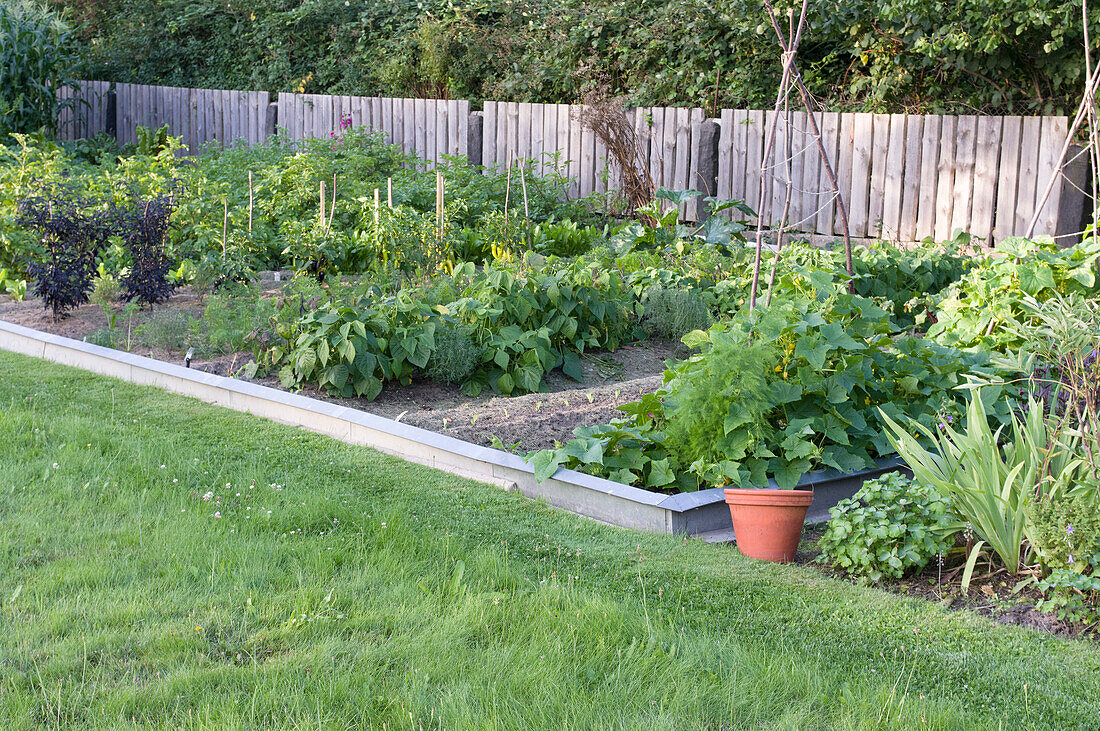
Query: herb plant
892, 527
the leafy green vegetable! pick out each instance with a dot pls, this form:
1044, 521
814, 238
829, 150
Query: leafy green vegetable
891, 527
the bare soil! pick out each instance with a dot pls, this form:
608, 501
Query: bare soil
519, 423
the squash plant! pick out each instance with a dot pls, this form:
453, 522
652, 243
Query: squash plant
777, 392
986, 306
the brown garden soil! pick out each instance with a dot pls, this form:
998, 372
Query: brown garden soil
990, 594
519, 423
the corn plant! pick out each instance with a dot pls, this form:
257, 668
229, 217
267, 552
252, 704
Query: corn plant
36, 62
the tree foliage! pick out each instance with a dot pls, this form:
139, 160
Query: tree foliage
1018, 56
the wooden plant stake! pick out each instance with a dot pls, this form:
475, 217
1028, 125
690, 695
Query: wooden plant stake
523, 181
225, 223
389, 192
323, 200
249, 201
439, 202
332, 209
507, 185
788, 154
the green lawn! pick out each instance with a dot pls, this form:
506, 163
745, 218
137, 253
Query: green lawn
346, 588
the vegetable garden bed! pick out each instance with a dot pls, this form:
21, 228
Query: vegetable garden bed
520, 423
818, 363
702, 512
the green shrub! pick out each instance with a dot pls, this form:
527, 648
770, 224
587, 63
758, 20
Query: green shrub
454, 356
998, 56
672, 313
167, 329
892, 527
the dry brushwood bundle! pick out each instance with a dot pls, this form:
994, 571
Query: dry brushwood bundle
606, 116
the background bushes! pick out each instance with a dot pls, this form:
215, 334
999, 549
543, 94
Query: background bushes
1005, 56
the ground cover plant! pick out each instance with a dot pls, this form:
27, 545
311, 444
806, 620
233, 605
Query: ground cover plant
891, 527
145, 582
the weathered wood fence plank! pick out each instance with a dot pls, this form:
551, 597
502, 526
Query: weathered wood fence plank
903, 177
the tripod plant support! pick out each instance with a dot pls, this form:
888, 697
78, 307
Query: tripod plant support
789, 48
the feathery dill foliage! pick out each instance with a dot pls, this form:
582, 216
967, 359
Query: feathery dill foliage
716, 393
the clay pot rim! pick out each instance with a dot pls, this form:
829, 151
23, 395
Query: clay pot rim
767, 496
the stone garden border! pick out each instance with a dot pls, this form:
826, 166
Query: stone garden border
703, 512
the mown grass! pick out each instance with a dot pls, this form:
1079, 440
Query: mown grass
343, 588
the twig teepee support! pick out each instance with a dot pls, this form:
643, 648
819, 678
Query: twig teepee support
792, 74
788, 155
1082, 112
769, 144
1094, 152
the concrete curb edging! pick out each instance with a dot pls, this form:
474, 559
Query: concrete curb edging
603, 500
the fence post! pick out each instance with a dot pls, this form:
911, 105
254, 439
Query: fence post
271, 120
704, 163
474, 132
1073, 214
111, 124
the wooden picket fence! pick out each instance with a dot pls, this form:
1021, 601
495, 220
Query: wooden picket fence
903, 177
197, 116
539, 131
87, 115
430, 128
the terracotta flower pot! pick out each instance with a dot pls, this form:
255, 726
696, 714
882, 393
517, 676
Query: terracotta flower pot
768, 523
